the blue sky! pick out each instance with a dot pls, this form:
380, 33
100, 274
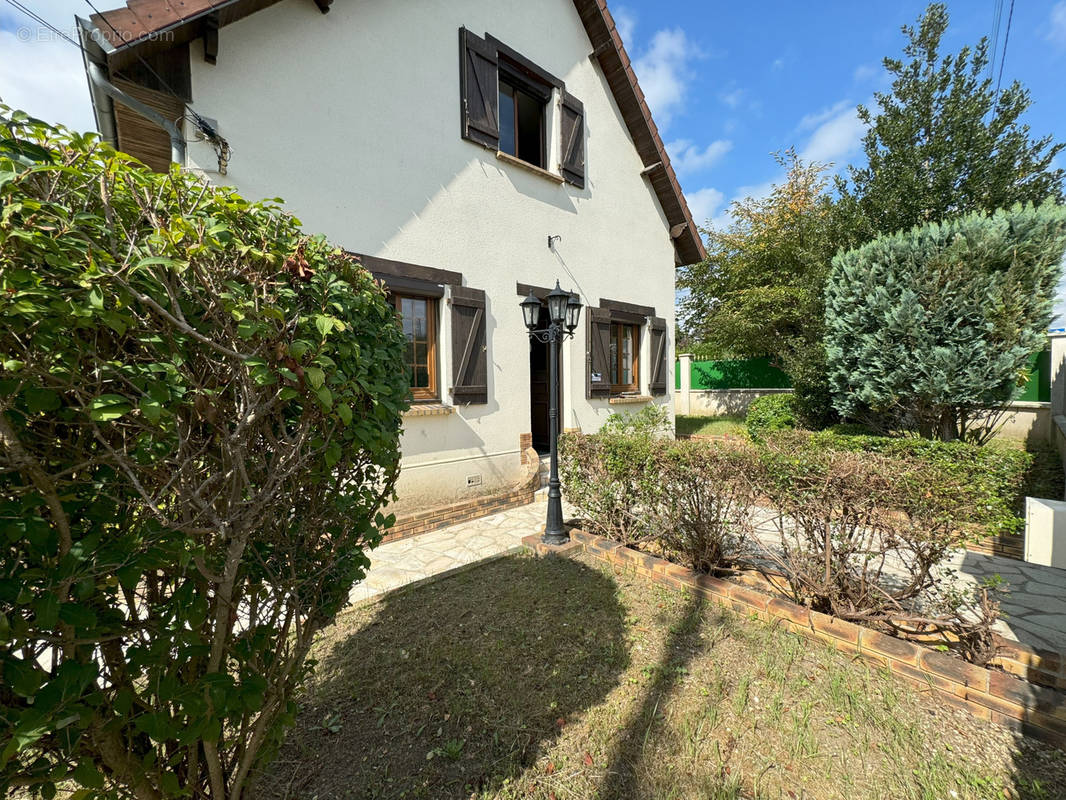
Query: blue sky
729, 83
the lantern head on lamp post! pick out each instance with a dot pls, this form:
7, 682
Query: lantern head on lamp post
530, 311
564, 311
557, 302
573, 312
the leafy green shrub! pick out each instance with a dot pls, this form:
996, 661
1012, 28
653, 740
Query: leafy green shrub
199, 417
611, 476
994, 476
930, 330
862, 533
704, 520
687, 499
772, 412
649, 421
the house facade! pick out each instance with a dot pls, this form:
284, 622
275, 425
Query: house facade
469, 152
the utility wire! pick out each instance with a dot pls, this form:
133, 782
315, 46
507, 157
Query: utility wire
222, 147
1003, 55
200, 121
997, 17
41, 21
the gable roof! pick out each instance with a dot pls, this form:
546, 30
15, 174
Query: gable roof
150, 27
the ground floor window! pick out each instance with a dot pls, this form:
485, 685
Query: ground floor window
420, 329
624, 360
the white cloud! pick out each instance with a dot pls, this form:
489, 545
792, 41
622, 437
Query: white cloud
864, 72
40, 72
815, 119
626, 23
663, 71
732, 98
1057, 24
703, 203
837, 135
688, 158
777, 63
46, 80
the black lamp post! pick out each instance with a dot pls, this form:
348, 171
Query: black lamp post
564, 310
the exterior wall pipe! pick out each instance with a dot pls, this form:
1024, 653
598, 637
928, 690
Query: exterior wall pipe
177, 141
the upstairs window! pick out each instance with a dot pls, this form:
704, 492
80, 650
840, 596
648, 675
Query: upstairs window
506, 106
522, 114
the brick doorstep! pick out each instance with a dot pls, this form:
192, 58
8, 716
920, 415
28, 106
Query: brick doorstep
1007, 699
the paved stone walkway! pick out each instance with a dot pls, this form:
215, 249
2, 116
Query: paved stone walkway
1033, 605
418, 557
1034, 608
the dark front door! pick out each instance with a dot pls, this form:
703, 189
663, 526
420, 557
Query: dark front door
539, 396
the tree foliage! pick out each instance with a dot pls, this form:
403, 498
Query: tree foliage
927, 328
760, 291
199, 418
943, 142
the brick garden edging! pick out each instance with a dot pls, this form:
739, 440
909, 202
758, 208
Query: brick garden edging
1035, 710
1005, 545
465, 510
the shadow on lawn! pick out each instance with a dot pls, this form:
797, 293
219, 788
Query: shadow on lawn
623, 765
455, 686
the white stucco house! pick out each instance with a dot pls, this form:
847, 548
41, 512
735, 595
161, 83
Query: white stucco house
469, 151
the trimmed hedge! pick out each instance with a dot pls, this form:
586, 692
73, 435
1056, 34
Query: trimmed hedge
774, 412
861, 532
995, 476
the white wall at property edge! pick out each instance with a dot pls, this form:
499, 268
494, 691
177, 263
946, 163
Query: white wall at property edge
716, 402
353, 118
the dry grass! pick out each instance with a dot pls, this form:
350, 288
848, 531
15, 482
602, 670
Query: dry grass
555, 679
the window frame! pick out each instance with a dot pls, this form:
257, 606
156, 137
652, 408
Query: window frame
521, 79
634, 333
430, 394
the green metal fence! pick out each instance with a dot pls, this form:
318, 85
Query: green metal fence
752, 373
758, 373
1038, 387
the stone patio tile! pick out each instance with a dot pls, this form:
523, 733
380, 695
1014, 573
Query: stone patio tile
1037, 588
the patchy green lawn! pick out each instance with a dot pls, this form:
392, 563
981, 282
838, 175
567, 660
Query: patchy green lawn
560, 679
731, 425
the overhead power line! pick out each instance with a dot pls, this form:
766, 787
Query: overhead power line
1003, 55
222, 148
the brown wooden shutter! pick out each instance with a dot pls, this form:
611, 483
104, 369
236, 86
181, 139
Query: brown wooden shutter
659, 353
469, 349
479, 90
599, 353
573, 140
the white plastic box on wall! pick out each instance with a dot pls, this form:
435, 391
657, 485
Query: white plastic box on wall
1045, 532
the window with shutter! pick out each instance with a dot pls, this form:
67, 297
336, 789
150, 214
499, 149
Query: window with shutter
659, 354
505, 105
418, 316
624, 358
572, 126
469, 346
598, 329
479, 94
